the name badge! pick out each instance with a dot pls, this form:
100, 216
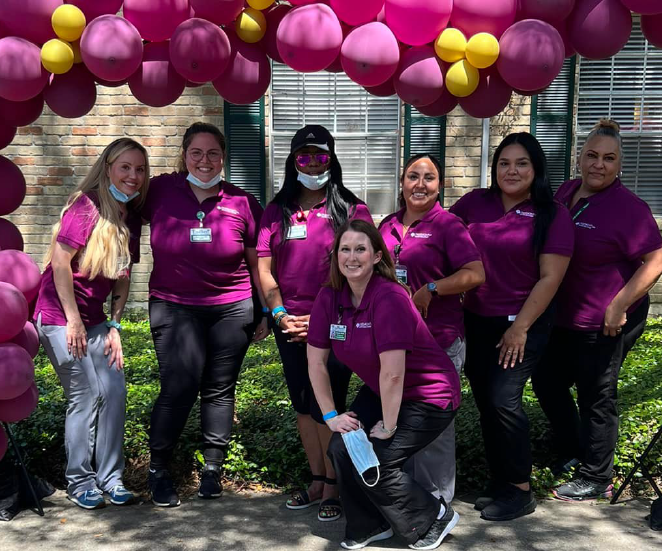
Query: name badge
401, 273
338, 332
297, 232
200, 235
512, 318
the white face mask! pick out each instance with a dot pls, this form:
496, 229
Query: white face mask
204, 185
314, 182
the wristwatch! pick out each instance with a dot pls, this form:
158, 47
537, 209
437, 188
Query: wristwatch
432, 287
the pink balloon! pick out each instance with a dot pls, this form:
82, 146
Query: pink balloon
357, 13
3, 443
156, 83
12, 188
531, 55
16, 371
247, 76
22, 76
7, 134
21, 271
419, 79
309, 38
651, 26
156, 20
199, 50
29, 19
14, 309
274, 16
644, 7
599, 29
490, 98
111, 48
72, 94
28, 339
562, 27
440, 107
95, 8
370, 54
19, 408
21, 113
487, 16
417, 22
10, 236
336, 65
552, 11
220, 12
110, 84
384, 90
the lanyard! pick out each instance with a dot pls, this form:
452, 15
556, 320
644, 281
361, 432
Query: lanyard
200, 216
580, 211
396, 251
340, 311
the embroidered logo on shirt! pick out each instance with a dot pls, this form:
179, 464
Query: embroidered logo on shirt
526, 213
364, 325
419, 235
226, 209
324, 215
585, 225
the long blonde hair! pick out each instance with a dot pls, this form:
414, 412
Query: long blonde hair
107, 250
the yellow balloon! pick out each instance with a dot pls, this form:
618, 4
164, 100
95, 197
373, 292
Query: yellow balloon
57, 56
482, 50
260, 4
68, 22
451, 45
462, 79
75, 46
251, 25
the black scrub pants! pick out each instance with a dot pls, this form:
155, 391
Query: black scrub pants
200, 350
591, 361
397, 499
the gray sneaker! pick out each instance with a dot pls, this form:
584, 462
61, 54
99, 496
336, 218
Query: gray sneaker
438, 531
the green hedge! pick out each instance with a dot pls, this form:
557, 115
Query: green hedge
265, 447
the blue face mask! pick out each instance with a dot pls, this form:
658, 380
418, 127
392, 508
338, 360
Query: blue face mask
204, 185
362, 453
120, 196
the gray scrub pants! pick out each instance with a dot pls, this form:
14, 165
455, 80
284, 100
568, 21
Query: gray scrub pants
434, 466
96, 404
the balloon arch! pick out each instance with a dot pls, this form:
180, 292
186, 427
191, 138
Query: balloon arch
434, 54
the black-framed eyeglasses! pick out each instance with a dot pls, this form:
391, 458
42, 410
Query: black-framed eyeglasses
304, 159
213, 155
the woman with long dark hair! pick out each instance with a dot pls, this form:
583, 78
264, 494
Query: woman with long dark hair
296, 235
526, 241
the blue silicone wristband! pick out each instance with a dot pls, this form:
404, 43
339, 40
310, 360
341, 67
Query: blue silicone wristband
277, 310
265, 309
333, 413
113, 323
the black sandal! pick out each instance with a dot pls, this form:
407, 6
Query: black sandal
301, 499
330, 509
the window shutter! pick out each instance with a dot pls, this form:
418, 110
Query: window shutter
246, 159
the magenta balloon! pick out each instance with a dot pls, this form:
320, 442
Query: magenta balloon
309, 38
111, 48
10, 236
384, 90
14, 310
357, 13
303, 2
644, 7
156, 82
419, 79
562, 27
441, 106
19, 408
21, 113
531, 55
16, 370
274, 16
12, 188
370, 54
110, 84
220, 12
156, 20
487, 16
95, 8
651, 26
7, 134
599, 29
247, 76
29, 19
22, 76
199, 50
417, 22
490, 98
28, 339
21, 271
552, 11
72, 94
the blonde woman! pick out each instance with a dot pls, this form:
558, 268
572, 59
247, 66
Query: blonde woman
93, 247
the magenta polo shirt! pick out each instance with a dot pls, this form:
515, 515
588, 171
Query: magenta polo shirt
200, 273
385, 320
505, 242
613, 230
75, 229
436, 246
301, 265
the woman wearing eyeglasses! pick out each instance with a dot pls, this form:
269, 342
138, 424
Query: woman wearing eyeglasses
295, 240
203, 237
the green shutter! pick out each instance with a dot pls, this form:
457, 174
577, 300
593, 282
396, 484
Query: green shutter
246, 157
551, 122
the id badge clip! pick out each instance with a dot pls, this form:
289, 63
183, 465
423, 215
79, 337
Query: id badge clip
297, 232
338, 332
401, 273
200, 234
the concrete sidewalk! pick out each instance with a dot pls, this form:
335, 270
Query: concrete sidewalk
251, 521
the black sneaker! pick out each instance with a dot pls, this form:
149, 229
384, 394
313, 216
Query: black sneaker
162, 489
382, 533
440, 528
511, 503
582, 489
488, 495
210, 482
